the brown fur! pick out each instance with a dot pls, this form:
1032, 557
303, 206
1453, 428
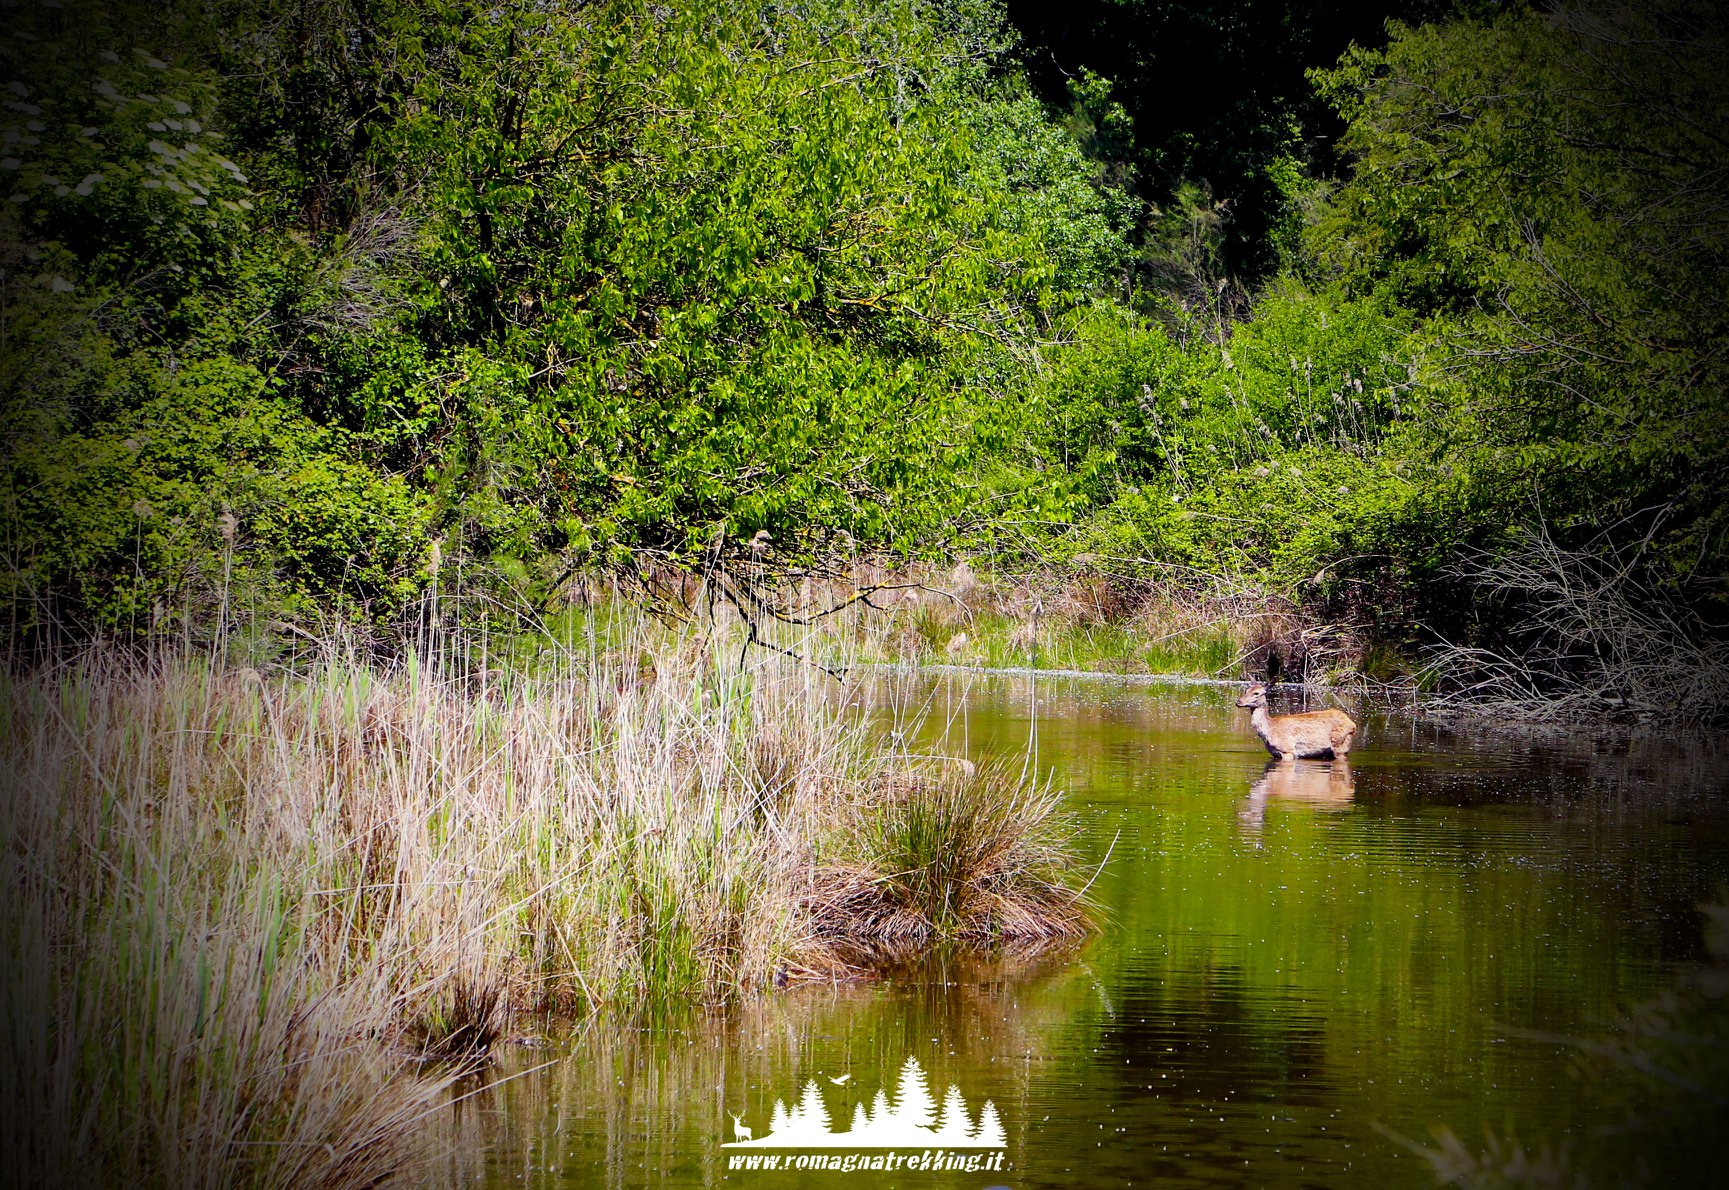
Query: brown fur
1310, 734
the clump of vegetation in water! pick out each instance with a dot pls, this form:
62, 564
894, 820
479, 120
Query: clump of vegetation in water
245, 904
949, 854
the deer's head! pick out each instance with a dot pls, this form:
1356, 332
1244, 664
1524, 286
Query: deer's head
1254, 696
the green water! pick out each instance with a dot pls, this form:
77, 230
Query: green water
1293, 964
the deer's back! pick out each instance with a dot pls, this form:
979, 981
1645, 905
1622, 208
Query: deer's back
1309, 732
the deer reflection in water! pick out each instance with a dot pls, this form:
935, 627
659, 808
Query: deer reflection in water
1322, 784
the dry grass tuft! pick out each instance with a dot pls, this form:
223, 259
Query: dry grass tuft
949, 852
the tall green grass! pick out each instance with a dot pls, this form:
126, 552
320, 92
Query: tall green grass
245, 908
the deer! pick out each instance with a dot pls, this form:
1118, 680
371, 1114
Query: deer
739, 1131
1311, 734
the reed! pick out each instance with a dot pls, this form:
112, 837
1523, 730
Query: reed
950, 853
246, 907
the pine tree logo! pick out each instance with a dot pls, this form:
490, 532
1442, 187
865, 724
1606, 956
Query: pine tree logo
912, 1119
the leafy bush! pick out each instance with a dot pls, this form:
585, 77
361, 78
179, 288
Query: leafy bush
1547, 188
528, 289
1286, 449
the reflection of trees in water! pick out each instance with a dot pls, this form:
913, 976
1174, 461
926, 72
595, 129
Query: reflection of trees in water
630, 1106
1225, 1077
1467, 767
1673, 1052
1214, 1040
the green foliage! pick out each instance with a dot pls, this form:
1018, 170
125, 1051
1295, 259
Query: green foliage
1549, 189
698, 280
1288, 448
518, 287
1051, 194
1514, 310
300, 308
162, 456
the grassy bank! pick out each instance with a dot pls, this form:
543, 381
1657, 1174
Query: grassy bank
246, 906
1594, 646
1086, 617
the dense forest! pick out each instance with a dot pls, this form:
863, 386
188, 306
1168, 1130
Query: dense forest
1411, 314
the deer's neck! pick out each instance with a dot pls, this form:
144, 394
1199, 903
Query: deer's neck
1261, 722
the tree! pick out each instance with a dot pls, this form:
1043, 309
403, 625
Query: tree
990, 1131
697, 282
524, 287
812, 1111
157, 463
913, 1103
953, 1124
881, 1112
1547, 188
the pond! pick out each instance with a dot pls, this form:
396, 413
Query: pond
1297, 966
